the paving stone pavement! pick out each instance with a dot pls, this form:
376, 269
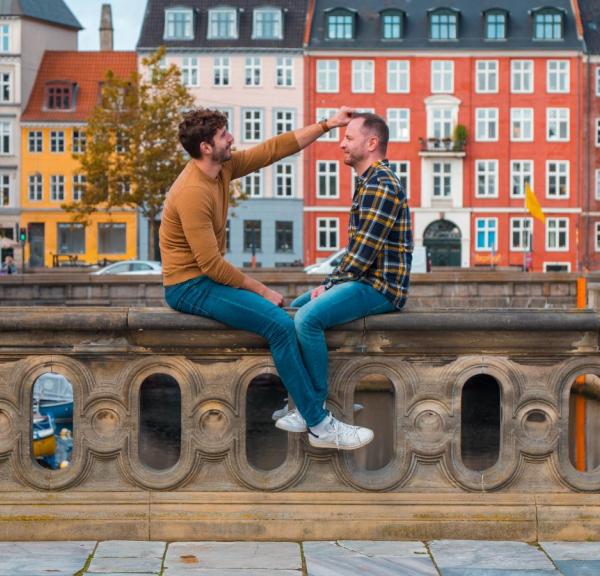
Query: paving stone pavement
339, 558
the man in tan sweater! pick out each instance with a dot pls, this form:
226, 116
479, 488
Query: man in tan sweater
198, 280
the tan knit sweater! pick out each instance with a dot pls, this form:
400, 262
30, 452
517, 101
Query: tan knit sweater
194, 219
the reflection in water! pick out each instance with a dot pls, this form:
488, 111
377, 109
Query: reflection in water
584, 423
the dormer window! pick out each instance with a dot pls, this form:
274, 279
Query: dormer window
268, 24
392, 23
548, 24
179, 24
443, 24
495, 26
340, 24
60, 96
222, 23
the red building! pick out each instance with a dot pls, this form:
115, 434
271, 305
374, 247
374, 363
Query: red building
510, 79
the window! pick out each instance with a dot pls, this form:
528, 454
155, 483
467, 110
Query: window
487, 178
521, 124
253, 122
121, 143
441, 123
442, 179
327, 76
36, 187
487, 76
597, 236
5, 137
222, 23
548, 25
189, 71
284, 121
520, 234
597, 80
284, 236
267, 24
521, 76
557, 124
178, 25
252, 71
284, 179
363, 72
398, 76
391, 25
443, 25
79, 141
34, 141
402, 170
285, 71
59, 96
558, 76
598, 184
112, 238
495, 25
71, 238
486, 233
598, 132
252, 184
221, 71
521, 173
486, 124
57, 141
327, 233
327, 179
5, 87
340, 25
79, 182
442, 76
399, 124
252, 235
557, 234
4, 38
332, 135
557, 179
57, 188
4, 189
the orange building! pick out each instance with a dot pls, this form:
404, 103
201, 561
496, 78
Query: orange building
66, 90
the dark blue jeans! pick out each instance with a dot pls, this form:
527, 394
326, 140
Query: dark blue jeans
248, 311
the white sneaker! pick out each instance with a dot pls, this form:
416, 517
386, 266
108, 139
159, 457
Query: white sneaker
292, 422
281, 412
340, 435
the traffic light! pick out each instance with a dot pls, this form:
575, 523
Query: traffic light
22, 235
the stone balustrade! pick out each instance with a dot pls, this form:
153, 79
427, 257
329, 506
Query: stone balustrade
486, 423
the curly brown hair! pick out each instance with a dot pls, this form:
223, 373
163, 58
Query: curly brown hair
199, 126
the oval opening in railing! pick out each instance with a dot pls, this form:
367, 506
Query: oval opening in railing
584, 423
160, 422
480, 422
52, 421
374, 407
266, 446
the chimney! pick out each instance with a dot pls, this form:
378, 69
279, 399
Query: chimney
106, 29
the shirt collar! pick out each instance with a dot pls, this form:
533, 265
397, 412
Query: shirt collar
369, 171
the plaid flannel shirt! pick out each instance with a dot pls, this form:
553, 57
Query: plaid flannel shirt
380, 243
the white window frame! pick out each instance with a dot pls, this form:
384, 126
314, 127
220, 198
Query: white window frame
596, 236
35, 140
284, 174
485, 118
324, 113
57, 181
442, 76
213, 14
188, 33
566, 229
278, 25
490, 176
558, 118
597, 132
487, 229
486, 70
6, 131
597, 195
514, 112
76, 181
6, 182
363, 76
525, 234
285, 71
443, 118
522, 175
287, 123
328, 76
35, 187
328, 173
442, 175
398, 76
260, 117
558, 174
4, 38
553, 69
566, 264
79, 144
597, 80
58, 136
190, 71
222, 64
398, 120
395, 165
328, 228
6, 80
253, 72
523, 69
253, 184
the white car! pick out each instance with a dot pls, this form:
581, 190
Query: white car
133, 267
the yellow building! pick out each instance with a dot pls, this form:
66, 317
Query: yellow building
66, 90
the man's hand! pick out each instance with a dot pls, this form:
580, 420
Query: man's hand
317, 292
273, 297
342, 118
259, 288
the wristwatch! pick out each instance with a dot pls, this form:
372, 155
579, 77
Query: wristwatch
324, 125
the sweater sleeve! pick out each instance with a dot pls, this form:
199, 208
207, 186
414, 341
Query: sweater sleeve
196, 220
247, 161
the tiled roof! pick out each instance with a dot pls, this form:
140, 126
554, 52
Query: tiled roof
54, 11
416, 37
153, 26
87, 70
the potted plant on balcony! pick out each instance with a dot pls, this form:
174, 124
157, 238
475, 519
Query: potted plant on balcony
447, 143
459, 137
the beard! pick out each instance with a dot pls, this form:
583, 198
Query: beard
221, 155
351, 159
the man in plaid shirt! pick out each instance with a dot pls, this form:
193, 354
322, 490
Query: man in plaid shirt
373, 276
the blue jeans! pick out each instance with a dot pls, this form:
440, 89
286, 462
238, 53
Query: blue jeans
248, 311
341, 303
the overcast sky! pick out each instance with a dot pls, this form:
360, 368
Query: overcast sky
127, 21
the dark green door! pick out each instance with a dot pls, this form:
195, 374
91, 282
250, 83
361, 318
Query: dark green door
442, 240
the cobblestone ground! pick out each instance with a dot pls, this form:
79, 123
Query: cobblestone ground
341, 558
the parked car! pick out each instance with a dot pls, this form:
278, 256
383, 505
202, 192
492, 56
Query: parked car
131, 267
419, 262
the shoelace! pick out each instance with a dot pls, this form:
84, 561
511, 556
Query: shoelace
344, 430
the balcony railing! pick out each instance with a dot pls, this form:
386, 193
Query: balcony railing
442, 145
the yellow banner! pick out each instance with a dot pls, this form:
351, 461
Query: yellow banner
532, 204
